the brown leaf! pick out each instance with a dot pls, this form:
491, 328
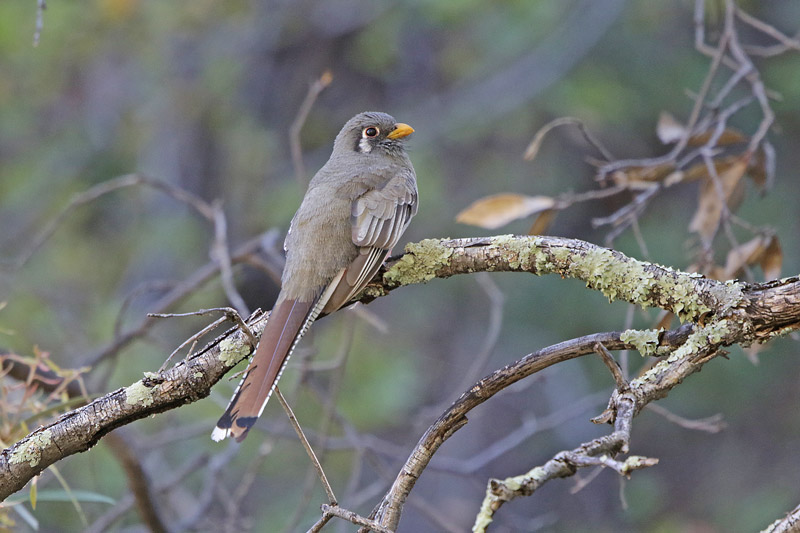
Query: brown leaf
664, 320
772, 259
642, 177
709, 208
744, 254
762, 167
670, 131
542, 222
498, 210
727, 137
764, 250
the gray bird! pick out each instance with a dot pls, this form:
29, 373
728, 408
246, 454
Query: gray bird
355, 209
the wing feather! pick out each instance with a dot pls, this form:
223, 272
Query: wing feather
378, 218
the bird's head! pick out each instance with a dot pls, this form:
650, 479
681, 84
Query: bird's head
372, 132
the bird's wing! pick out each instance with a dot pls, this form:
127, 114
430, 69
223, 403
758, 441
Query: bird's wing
378, 218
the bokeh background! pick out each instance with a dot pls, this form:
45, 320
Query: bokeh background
202, 95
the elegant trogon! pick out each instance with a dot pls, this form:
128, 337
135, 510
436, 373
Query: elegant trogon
354, 211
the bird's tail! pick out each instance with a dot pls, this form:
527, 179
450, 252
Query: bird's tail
286, 324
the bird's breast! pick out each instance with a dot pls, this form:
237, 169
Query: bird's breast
319, 244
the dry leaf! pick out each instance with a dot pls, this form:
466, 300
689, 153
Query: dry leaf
542, 222
498, 210
642, 177
764, 250
727, 137
762, 167
664, 320
744, 254
772, 260
668, 129
709, 208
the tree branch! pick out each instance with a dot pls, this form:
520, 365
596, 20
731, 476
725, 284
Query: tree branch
726, 313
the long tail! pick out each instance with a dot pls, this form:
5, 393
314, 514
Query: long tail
286, 325
281, 333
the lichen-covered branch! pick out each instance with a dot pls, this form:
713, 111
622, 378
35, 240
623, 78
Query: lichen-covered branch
689, 296
80, 429
724, 313
598, 452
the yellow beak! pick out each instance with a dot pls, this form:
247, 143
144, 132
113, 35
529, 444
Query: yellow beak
400, 131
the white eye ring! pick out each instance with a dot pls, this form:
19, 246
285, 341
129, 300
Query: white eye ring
370, 132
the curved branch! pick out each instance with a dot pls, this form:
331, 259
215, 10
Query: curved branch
730, 312
454, 418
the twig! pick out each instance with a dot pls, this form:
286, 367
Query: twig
230, 314
297, 125
598, 452
605, 355
787, 43
41, 5
328, 409
711, 424
181, 291
350, 516
756, 85
533, 148
311, 455
221, 252
455, 417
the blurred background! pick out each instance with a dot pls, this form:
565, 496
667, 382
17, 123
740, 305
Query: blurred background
202, 95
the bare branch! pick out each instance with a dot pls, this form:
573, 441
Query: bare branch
335, 510
608, 359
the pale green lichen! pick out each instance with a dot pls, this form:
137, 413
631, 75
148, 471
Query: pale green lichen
537, 475
151, 375
139, 393
485, 514
636, 462
420, 262
717, 331
645, 341
637, 282
522, 252
700, 338
31, 451
613, 274
232, 350
197, 375
373, 292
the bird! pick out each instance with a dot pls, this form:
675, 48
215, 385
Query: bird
355, 210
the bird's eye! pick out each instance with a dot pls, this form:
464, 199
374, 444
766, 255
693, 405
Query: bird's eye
372, 131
